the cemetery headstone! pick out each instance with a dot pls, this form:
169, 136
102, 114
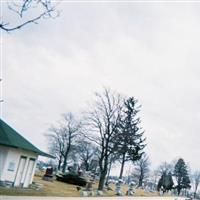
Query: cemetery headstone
108, 187
130, 191
84, 194
89, 188
48, 176
80, 172
118, 187
99, 193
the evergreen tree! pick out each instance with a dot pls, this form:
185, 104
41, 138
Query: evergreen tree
165, 182
182, 177
130, 141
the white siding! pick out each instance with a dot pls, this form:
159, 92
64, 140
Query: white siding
3, 155
11, 164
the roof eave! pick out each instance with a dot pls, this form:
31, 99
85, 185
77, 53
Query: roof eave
40, 153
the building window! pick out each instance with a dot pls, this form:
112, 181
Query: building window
11, 166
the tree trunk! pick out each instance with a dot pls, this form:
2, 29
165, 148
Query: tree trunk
194, 195
59, 163
87, 166
103, 163
122, 167
195, 190
108, 174
64, 164
102, 180
65, 161
140, 181
179, 191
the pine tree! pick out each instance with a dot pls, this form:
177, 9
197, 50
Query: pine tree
130, 141
182, 177
165, 182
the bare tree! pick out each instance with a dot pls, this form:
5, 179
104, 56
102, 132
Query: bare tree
27, 12
86, 152
156, 176
63, 138
141, 170
196, 182
56, 144
153, 179
165, 168
102, 121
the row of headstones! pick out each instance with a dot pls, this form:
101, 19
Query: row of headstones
130, 191
89, 192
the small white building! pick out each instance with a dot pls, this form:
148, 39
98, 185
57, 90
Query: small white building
18, 158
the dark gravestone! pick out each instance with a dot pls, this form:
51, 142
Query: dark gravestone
89, 186
48, 174
88, 191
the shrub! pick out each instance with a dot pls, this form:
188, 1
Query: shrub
72, 178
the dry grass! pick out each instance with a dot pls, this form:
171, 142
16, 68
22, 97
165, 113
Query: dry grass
124, 188
61, 189
54, 188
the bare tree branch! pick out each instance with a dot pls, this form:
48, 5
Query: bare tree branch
45, 8
102, 119
63, 138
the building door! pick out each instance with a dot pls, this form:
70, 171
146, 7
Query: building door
20, 171
29, 172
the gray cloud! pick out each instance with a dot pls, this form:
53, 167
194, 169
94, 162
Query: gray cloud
146, 50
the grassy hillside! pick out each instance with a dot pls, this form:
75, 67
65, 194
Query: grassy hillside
57, 188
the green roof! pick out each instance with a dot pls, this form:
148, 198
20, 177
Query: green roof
10, 137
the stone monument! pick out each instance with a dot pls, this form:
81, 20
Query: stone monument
48, 176
118, 187
130, 191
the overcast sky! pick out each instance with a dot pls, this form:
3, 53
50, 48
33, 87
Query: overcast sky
146, 50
